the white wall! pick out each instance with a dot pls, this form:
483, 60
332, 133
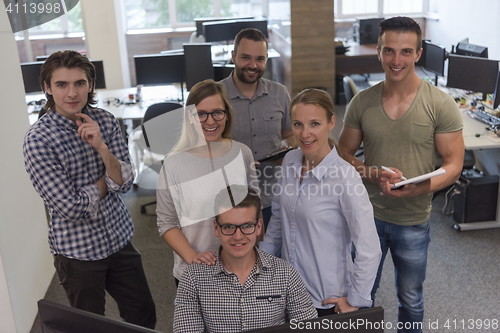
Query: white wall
26, 267
479, 20
105, 39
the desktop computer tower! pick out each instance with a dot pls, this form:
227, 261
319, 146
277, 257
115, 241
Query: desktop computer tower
475, 199
367, 30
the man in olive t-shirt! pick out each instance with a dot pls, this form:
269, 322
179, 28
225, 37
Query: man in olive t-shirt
403, 123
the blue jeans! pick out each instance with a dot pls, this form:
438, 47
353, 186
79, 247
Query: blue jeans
408, 246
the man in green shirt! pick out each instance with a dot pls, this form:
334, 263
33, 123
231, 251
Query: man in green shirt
403, 123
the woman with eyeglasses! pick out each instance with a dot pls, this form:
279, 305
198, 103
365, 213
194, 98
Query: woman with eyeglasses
320, 209
203, 162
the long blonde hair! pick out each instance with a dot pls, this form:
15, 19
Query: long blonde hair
189, 136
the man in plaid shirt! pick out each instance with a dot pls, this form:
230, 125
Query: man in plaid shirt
246, 289
78, 162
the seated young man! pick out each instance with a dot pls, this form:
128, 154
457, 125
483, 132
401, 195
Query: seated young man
246, 289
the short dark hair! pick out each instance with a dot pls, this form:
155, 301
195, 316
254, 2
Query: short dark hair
400, 24
249, 33
67, 59
237, 196
208, 88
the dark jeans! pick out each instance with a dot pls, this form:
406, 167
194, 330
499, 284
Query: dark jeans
121, 275
325, 312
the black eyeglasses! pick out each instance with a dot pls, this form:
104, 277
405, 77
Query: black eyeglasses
216, 115
230, 229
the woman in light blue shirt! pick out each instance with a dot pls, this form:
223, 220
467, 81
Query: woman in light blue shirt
320, 209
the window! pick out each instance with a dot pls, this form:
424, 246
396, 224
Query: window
143, 14
63, 25
378, 8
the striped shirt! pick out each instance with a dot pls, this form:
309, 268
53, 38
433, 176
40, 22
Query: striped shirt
64, 169
211, 299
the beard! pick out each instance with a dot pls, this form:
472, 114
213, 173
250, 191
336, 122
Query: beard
240, 73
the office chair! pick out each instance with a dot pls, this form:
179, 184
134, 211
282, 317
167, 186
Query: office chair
350, 90
160, 129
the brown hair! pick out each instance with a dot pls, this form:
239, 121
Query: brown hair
67, 59
249, 33
400, 24
208, 88
319, 98
237, 196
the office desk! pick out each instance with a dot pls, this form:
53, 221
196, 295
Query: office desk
485, 140
360, 59
114, 101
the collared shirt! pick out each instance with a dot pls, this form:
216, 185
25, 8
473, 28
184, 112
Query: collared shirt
211, 299
314, 224
258, 124
64, 169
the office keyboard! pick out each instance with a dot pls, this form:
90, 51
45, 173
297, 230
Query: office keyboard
485, 117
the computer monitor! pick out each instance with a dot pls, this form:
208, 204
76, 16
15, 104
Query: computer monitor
471, 50
31, 76
259, 24
368, 30
99, 68
159, 69
100, 82
42, 58
496, 98
435, 57
199, 22
59, 318
219, 31
421, 61
369, 320
472, 73
198, 63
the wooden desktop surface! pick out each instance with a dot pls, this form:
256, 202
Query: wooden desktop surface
360, 59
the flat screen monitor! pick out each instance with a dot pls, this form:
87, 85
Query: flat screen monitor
31, 75
58, 318
199, 22
496, 99
198, 63
100, 82
472, 73
159, 69
435, 57
219, 31
471, 50
259, 24
368, 30
369, 320
42, 58
421, 61
99, 68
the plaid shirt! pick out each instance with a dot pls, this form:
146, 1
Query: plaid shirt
211, 299
64, 169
